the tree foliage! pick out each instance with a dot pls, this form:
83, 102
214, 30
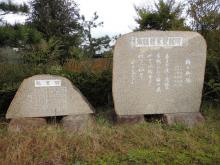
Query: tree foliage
58, 19
9, 7
19, 36
44, 53
165, 16
55, 18
205, 15
211, 91
94, 47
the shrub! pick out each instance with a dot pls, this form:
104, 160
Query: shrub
97, 88
211, 90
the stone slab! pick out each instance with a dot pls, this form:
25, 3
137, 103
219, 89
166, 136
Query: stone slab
26, 124
188, 119
47, 95
157, 72
130, 119
75, 123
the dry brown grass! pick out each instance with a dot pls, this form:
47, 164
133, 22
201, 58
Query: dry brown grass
148, 143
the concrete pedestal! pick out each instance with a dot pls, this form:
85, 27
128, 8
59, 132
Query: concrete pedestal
188, 119
77, 122
26, 124
130, 119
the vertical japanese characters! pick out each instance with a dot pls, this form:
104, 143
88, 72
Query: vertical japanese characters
155, 68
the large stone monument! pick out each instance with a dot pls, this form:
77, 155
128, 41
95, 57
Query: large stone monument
159, 72
46, 96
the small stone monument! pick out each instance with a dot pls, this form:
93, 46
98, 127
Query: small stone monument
159, 72
43, 96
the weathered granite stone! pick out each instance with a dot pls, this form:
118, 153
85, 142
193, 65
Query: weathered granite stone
130, 119
187, 119
75, 123
158, 72
47, 95
26, 124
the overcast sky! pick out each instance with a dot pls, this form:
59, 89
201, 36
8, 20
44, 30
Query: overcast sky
117, 15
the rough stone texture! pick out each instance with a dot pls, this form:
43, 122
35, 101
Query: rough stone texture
75, 123
47, 95
188, 119
130, 119
26, 124
157, 72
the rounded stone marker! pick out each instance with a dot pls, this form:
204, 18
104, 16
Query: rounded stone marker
47, 96
159, 72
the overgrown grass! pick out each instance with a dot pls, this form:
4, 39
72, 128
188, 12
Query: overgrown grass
107, 144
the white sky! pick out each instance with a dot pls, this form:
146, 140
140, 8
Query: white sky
117, 15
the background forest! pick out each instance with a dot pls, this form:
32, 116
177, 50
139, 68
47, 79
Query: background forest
57, 39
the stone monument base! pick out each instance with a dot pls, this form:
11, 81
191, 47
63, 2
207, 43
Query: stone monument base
129, 119
26, 124
77, 122
188, 119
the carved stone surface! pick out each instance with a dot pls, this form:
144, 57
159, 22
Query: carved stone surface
77, 122
47, 95
26, 124
188, 119
157, 72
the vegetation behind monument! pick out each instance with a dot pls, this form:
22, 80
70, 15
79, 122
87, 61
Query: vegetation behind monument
55, 33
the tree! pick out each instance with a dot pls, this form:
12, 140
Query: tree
100, 46
18, 35
45, 53
9, 7
56, 18
94, 46
166, 16
205, 15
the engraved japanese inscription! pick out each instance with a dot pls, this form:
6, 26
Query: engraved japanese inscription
157, 72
